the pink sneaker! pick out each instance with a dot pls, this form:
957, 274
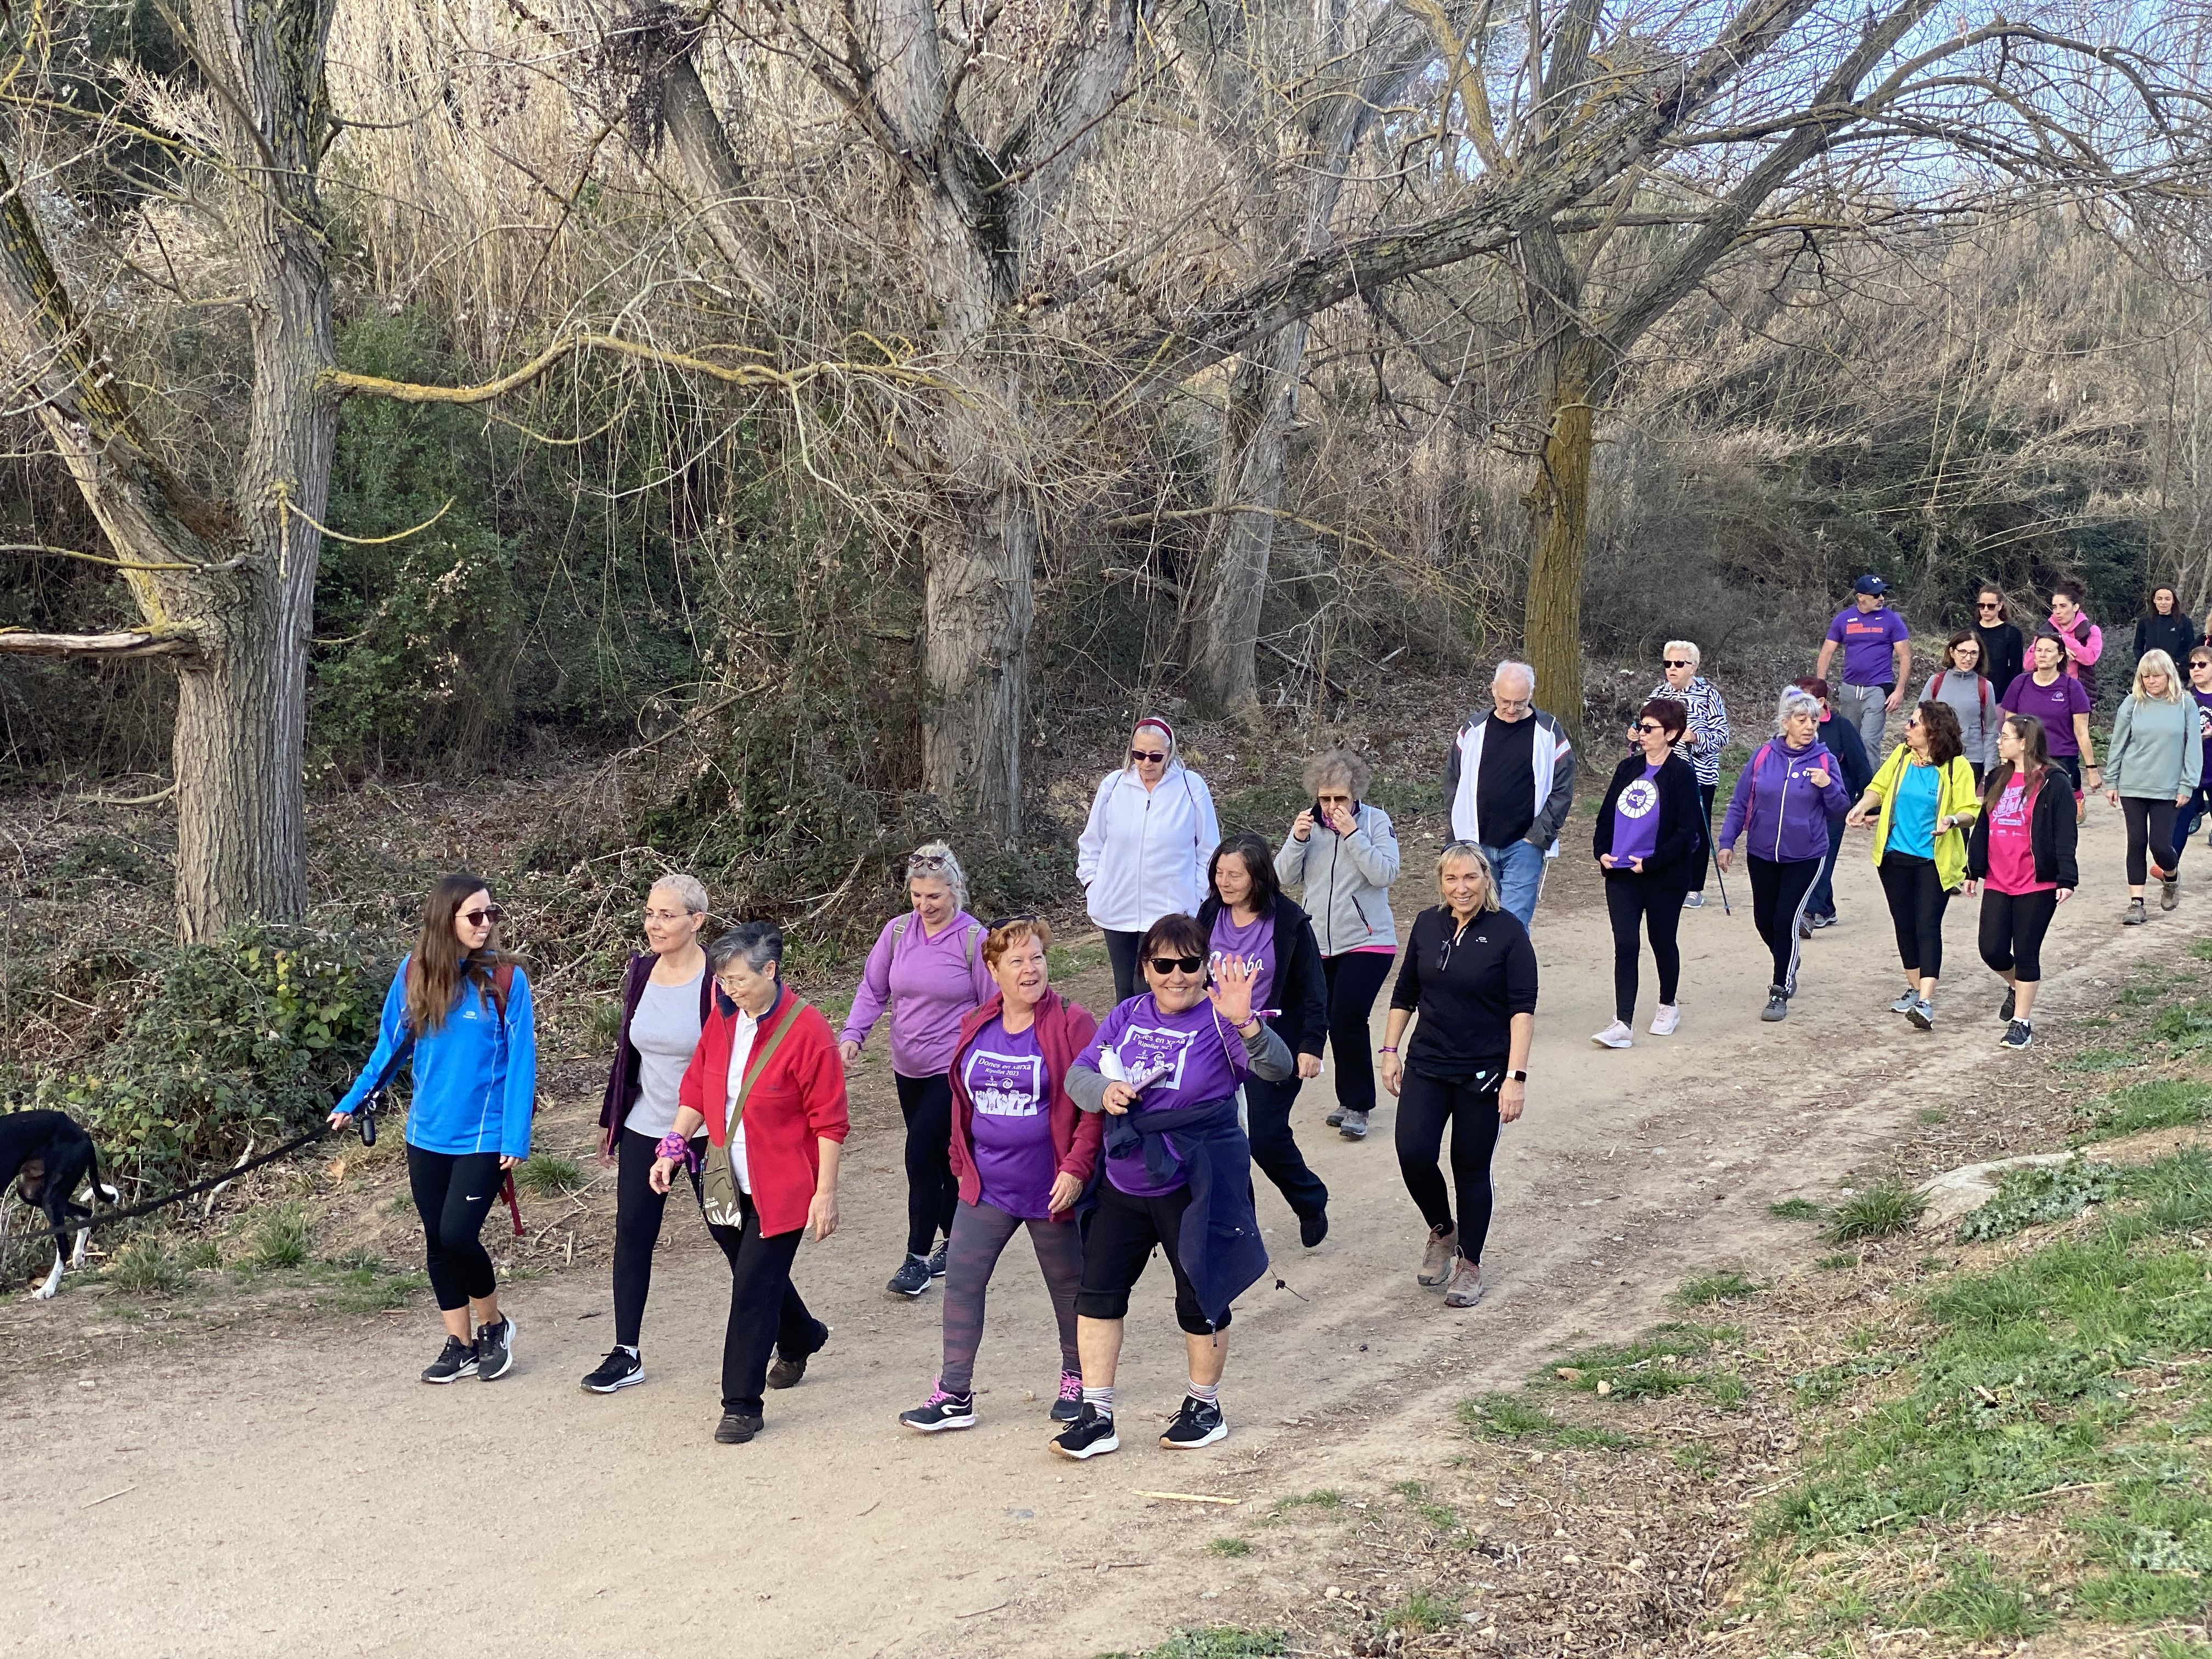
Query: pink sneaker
1665, 1019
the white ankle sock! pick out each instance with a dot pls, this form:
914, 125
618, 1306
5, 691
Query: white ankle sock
1206, 1394
1101, 1398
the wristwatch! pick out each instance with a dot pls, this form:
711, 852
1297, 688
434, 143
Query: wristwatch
1516, 1076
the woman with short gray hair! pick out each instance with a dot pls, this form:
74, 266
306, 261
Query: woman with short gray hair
666, 993
1784, 797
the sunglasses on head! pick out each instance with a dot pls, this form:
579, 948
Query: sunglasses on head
1155, 756
478, 918
1165, 965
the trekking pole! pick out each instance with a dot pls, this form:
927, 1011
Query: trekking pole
1723, 874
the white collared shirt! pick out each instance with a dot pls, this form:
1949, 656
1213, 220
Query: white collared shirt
741, 1052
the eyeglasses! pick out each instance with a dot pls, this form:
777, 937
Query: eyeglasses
1989, 604
667, 915
1671, 663
1165, 965
478, 918
1154, 755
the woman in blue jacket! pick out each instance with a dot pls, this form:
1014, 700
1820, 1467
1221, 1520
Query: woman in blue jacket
1784, 797
459, 1009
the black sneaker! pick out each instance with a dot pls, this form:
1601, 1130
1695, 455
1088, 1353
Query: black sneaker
619, 1370
2018, 1035
736, 1428
940, 1411
784, 1372
495, 1350
911, 1278
1777, 1005
1092, 1435
2006, 1009
1198, 1424
937, 1260
1354, 1126
1313, 1227
456, 1360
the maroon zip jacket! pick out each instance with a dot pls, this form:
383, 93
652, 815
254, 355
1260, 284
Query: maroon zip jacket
1064, 1029
621, 1077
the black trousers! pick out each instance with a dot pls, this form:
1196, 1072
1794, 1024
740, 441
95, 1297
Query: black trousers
931, 1194
1425, 1105
1707, 793
1778, 892
1275, 1149
766, 1311
1118, 1243
1354, 979
2013, 927
1633, 901
638, 1213
1917, 903
453, 1192
2150, 832
1122, 952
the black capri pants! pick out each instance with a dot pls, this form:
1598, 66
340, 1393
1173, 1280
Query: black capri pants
453, 1192
2013, 927
1917, 901
1123, 1230
2150, 834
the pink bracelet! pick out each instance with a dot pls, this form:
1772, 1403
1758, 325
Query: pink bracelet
1388, 1048
672, 1146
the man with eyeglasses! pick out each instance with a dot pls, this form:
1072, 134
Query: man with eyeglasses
1877, 649
1510, 784
2003, 651
1702, 744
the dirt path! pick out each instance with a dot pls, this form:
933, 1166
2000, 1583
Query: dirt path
304, 1492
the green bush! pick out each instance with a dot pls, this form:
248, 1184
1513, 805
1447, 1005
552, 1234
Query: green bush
544, 1174
145, 1266
1874, 1212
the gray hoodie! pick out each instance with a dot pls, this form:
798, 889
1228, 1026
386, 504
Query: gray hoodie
1346, 880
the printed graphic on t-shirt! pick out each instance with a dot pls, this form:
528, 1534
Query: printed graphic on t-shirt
1147, 1054
1638, 798
1004, 1086
2010, 813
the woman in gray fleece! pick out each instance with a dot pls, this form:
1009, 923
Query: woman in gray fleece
2152, 767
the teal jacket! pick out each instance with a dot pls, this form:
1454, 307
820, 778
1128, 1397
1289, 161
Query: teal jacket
476, 1076
2155, 753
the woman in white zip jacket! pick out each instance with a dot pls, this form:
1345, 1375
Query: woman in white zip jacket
1144, 851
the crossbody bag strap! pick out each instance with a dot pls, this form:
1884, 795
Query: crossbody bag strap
762, 1053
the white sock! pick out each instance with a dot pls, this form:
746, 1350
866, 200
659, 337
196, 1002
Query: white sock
1101, 1398
630, 1349
1206, 1394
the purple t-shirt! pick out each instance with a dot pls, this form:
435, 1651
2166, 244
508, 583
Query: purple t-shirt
1180, 1060
1003, 1075
2055, 705
1866, 637
1636, 818
1255, 945
2204, 726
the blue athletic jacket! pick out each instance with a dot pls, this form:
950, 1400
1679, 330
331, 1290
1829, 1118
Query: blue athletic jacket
476, 1076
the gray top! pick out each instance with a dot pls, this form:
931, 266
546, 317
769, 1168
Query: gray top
1974, 700
1346, 881
664, 1030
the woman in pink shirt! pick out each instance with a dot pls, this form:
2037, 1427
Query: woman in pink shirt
927, 969
2021, 848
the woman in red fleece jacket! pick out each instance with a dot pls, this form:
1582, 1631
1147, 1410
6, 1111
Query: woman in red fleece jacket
766, 1081
1023, 1152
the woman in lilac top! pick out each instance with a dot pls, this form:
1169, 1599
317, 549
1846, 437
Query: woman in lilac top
927, 968
2062, 703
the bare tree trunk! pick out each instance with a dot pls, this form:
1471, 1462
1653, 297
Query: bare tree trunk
1558, 509
978, 576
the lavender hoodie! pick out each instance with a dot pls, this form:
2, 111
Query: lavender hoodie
929, 985
1782, 816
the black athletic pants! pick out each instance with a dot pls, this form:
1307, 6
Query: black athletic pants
638, 1213
1121, 1233
2150, 830
1917, 901
1778, 892
1707, 793
932, 1194
453, 1192
2013, 927
1425, 1105
766, 1311
1354, 979
1121, 951
1275, 1149
1634, 900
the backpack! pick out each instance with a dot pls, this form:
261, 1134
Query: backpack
967, 940
503, 982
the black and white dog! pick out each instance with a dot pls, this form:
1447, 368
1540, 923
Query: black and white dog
47, 1156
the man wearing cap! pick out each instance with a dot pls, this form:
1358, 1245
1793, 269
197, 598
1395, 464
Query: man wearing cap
1877, 661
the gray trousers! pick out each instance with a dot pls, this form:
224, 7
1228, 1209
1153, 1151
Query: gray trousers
1862, 705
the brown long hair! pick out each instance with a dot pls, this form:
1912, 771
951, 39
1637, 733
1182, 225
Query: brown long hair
2034, 762
1946, 742
434, 975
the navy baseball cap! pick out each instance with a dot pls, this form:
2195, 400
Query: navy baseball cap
1869, 584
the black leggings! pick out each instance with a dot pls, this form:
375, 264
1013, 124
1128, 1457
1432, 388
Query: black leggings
1121, 951
766, 1311
1275, 1149
1917, 901
453, 1192
932, 1194
1118, 1243
1426, 1105
1632, 900
1778, 892
1707, 793
2150, 826
2013, 927
638, 1213
1354, 977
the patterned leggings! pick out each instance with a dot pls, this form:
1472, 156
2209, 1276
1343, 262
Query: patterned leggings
980, 1233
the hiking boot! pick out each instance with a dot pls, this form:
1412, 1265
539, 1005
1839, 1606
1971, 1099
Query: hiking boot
937, 1260
1092, 1435
941, 1410
1335, 1119
2136, 916
1908, 1002
495, 1350
1615, 1036
1313, 1226
1199, 1423
1070, 1403
456, 1360
1777, 1005
619, 1370
2011, 1002
1437, 1257
2169, 890
1921, 1016
912, 1278
736, 1428
2018, 1035
786, 1371
1466, 1284
1665, 1020
1354, 1126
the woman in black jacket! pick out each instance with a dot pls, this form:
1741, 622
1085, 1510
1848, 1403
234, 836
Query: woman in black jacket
1649, 842
2164, 627
2003, 651
2021, 846
1245, 916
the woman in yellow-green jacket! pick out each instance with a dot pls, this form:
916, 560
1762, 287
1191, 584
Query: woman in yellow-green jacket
1921, 804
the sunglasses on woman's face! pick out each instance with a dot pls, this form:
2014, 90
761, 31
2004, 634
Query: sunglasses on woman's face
1649, 726
1989, 604
478, 918
1154, 755
1671, 663
1165, 965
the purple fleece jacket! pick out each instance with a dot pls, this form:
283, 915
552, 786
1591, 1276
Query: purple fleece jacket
929, 985
1781, 815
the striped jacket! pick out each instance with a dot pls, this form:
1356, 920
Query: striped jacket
1708, 714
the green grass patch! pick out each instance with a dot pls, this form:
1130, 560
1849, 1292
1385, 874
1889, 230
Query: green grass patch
1976, 1604
1875, 1211
1326, 1498
549, 1177
1795, 1209
1511, 1416
1217, 1642
2202, 950
1651, 1367
145, 1266
1725, 1285
2040, 1194
1837, 1262
2187, 1026
1238, 1548
1701, 1461
1422, 1613
2095, 1060
201, 1256
2169, 1103
282, 1239
1931, 1116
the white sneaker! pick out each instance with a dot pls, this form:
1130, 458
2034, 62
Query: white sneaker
1664, 1019
1615, 1036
